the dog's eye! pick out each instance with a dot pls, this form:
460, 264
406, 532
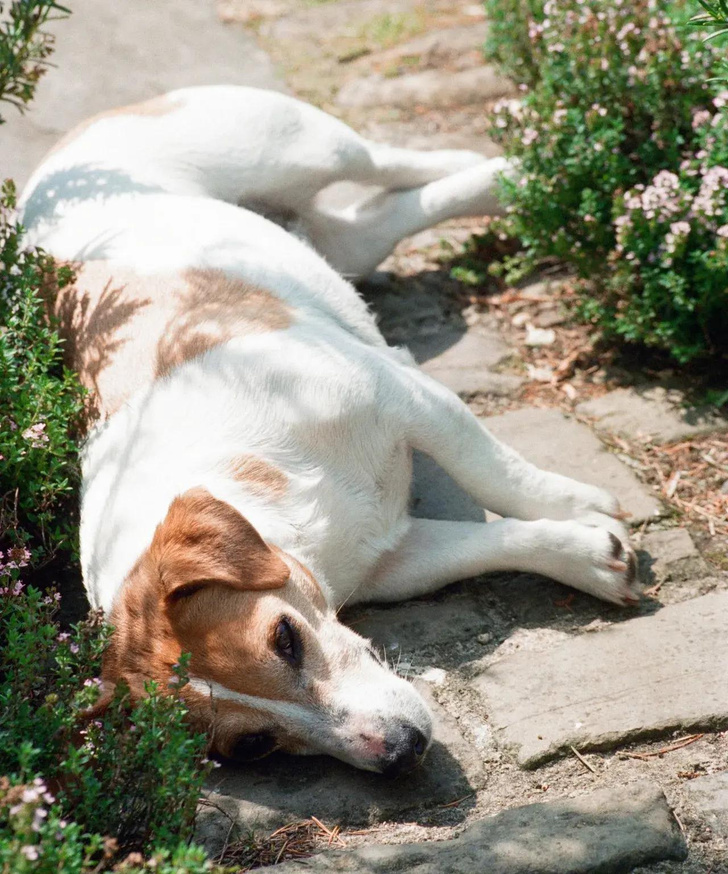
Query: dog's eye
288, 643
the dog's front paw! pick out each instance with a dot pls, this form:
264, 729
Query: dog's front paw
593, 555
605, 564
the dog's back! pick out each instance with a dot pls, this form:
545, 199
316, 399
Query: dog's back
208, 336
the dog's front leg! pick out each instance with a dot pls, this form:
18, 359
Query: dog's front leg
435, 553
439, 424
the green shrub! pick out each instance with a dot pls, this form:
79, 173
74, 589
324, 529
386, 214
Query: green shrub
79, 791
619, 110
40, 403
76, 795
509, 40
24, 48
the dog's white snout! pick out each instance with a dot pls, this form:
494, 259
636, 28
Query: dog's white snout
392, 725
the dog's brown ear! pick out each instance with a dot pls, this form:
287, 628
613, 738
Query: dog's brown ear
203, 540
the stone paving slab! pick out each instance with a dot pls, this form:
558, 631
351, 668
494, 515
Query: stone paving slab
554, 442
437, 89
674, 554
709, 795
642, 678
406, 629
280, 788
110, 53
452, 46
463, 360
607, 832
655, 413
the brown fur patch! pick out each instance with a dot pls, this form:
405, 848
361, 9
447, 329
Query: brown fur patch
155, 107
123, 330
206, 546
203, 540
226, 623
259, 475
217, 307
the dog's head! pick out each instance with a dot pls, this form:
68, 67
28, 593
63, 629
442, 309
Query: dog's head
271, 667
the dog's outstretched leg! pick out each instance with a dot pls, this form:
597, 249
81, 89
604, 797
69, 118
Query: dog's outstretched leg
355, 240
438, 423
435, 553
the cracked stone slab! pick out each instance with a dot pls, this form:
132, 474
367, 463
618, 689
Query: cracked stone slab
709, 796
655, 413
606, 832
436, 89
674, 553
463, 361
554, 442
642, 678
406, 629
281, 788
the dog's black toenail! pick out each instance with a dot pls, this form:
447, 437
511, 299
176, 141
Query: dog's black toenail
616, 545
631, 567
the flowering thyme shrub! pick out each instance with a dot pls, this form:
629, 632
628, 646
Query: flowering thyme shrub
621, 144
40, 403
80, 794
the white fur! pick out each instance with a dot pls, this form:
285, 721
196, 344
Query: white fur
326, 400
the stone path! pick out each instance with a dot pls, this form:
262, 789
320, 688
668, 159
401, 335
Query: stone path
519, 669
641, 678
607, 832
651, 413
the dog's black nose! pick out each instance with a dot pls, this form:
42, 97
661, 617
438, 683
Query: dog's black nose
406, 748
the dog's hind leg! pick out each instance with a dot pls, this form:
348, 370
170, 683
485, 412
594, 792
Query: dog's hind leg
355, 240
435, 553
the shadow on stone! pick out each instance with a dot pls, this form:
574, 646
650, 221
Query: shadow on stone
283, 788
609, 831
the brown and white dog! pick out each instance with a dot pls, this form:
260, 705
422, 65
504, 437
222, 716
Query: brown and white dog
247, 469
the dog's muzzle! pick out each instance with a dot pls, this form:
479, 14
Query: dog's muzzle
405, 750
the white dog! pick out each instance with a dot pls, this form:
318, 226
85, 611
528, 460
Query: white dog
247, 469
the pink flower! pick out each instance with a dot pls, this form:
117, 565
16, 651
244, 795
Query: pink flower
700, 118
35, 435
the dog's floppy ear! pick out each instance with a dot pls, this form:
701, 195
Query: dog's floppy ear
204, 540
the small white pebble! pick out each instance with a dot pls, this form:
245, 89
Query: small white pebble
539, 336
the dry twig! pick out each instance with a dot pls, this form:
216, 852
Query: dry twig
583, 760
683, 742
